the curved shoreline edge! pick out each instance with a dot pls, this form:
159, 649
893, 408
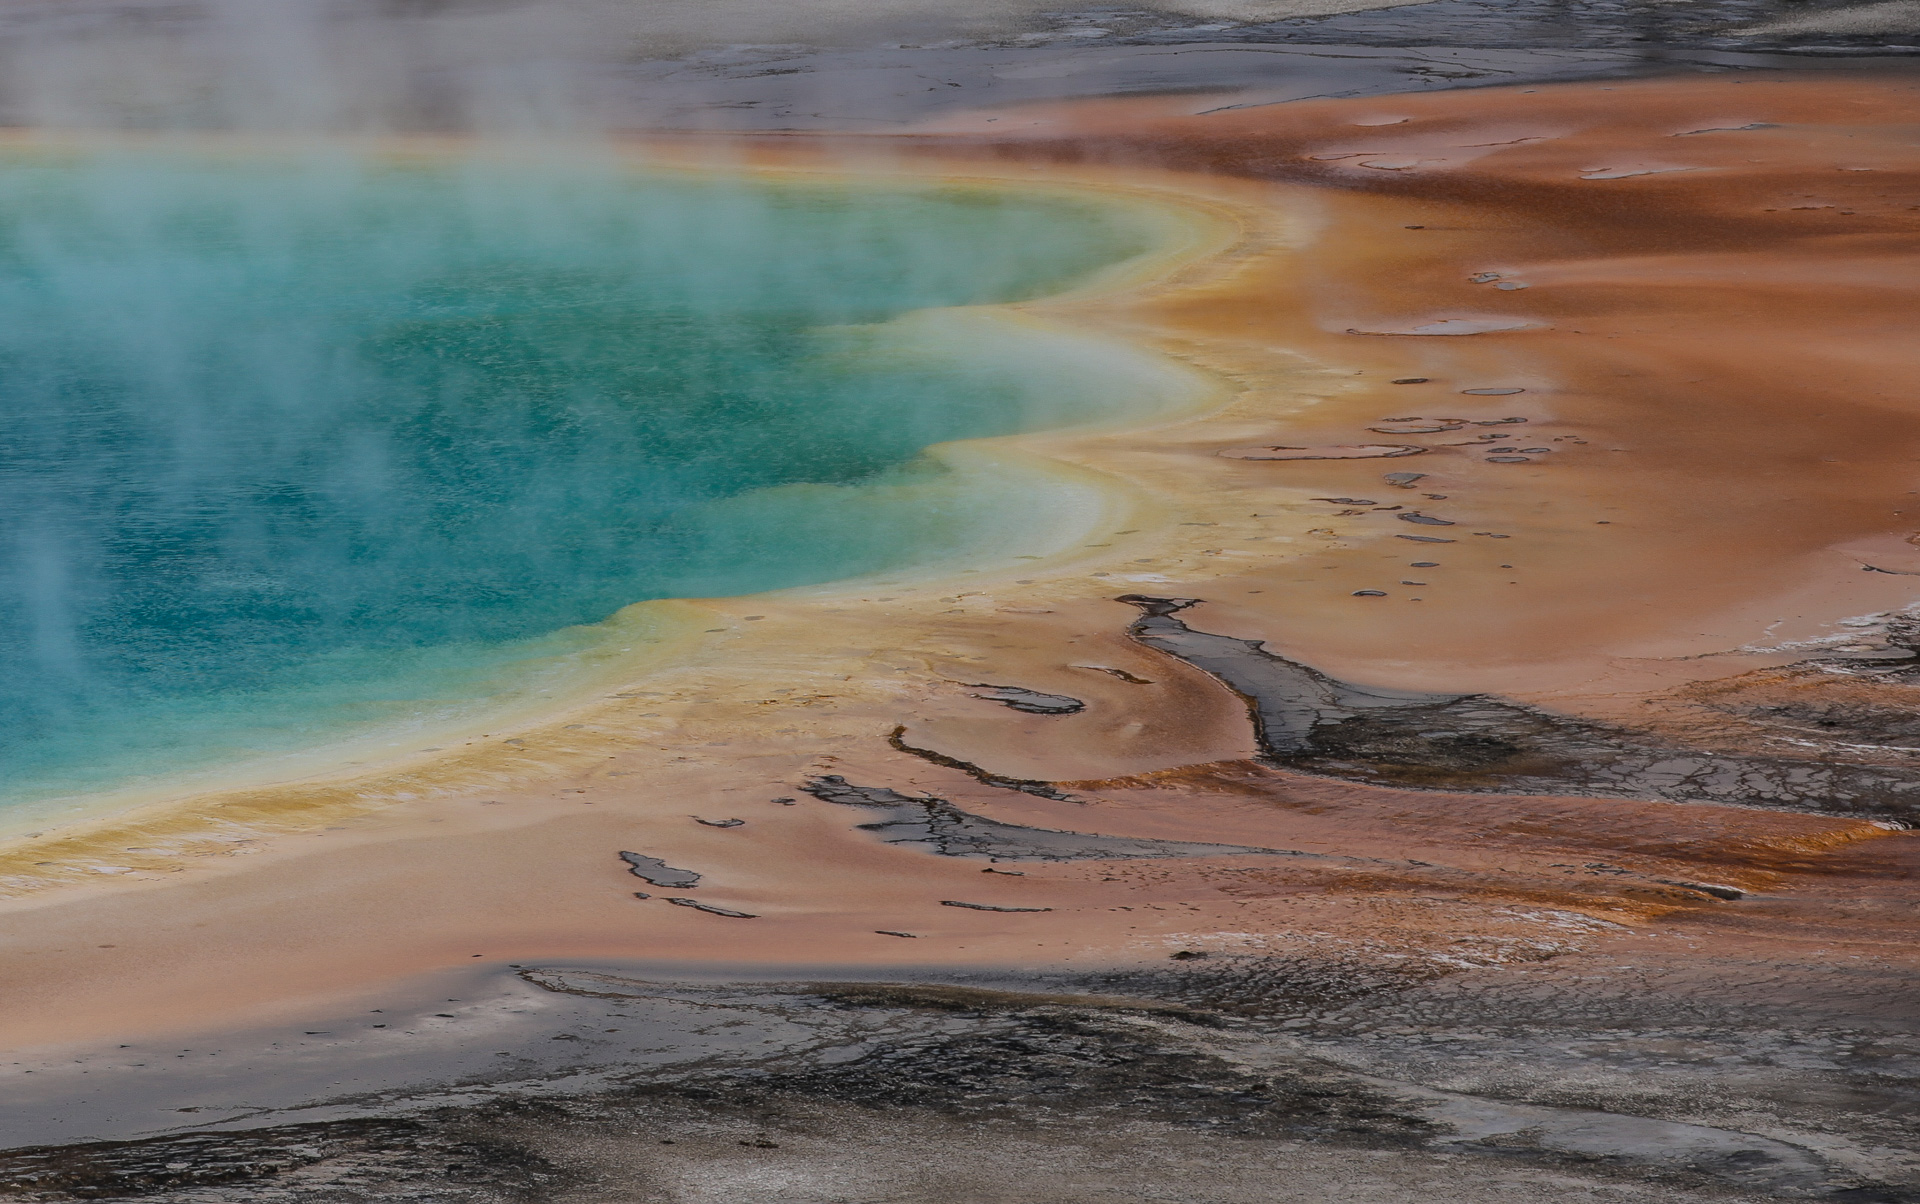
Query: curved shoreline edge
1637, 575
206, 812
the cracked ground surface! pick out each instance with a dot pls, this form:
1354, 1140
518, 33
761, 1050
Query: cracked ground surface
1411, 946
1221, 1079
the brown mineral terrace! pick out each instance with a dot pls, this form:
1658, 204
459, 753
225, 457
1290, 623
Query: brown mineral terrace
1646, 351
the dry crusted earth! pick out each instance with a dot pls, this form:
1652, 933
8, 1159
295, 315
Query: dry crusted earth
1678, 1062
1221, 1080
1755, 1039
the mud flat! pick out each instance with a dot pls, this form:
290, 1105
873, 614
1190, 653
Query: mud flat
1523, 816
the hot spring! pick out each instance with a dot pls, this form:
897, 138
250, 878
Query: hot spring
294, 446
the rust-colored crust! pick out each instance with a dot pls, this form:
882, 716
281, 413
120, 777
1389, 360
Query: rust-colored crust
1715, 342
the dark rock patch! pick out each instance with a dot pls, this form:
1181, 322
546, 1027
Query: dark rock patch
898, 739
936, 825
1308, 721
709, 908
658, 872
1033, 702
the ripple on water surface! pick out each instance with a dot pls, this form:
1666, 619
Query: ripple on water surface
291, 447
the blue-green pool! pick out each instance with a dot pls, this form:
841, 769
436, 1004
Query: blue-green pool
294, 444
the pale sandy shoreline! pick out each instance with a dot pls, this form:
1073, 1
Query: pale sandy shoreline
668, 639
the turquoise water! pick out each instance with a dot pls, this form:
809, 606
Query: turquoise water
293, 445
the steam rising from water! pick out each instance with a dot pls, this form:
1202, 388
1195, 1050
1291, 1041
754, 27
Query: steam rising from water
295, 436
527, 68
544, 70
